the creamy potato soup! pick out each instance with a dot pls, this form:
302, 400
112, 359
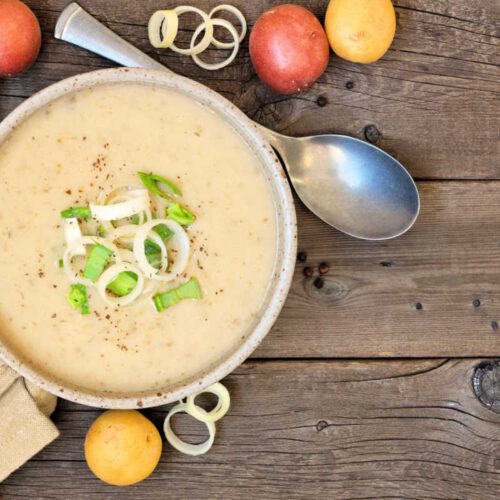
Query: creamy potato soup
77, 151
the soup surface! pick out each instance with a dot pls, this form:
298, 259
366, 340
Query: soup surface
94, 141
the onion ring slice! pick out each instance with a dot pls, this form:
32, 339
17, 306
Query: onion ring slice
236, 45
207, 38
178, 443
166, 22
221, 408
241, 19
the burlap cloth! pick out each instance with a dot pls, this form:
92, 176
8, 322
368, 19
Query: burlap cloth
25, 426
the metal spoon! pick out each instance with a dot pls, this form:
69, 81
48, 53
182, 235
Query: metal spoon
350, 184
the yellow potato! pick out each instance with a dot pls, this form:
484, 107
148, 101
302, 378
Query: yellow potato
360, 30
122, 447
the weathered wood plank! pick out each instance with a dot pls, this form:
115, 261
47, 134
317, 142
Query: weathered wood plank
334, 429
434, 97
368, 305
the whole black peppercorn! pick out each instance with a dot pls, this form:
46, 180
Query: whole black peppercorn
323, 268
318, 283
302, 256
307, 272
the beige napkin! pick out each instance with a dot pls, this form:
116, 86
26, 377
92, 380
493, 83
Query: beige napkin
25, 427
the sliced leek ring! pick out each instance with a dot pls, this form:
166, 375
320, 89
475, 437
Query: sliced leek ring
221, 408
207, 38
166, 22
241, 19
180, 241
110, 274
236, 45
178, 443
139, 202
73, 232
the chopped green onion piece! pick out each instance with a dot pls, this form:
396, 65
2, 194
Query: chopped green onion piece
189, 290
78, 298
101, 231
151, 181
60, 263
123, 284
135, 219
180, 214
164, 232
78, 212
153, 253
99, 256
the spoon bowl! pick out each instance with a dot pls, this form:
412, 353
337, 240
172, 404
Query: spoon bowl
350, 184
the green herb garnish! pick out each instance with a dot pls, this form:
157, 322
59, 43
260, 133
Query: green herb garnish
123, 284
77, 297
189, 290
60, 263
180, 214
78, 212
152, 182
99, 256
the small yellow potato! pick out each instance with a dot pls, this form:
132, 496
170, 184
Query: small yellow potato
122, 447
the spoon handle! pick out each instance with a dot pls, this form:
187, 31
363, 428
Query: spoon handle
78, 27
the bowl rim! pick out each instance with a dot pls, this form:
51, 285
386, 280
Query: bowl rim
286, 221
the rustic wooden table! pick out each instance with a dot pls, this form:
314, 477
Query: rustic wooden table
363, 387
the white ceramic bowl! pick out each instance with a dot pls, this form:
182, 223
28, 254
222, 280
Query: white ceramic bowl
286, 235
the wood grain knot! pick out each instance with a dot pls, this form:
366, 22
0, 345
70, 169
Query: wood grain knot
329, 291
486, 384
321, 425
322, 101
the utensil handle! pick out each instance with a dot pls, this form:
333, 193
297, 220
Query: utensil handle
78, 27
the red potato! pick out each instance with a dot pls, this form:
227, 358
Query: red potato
289, 48
20, 37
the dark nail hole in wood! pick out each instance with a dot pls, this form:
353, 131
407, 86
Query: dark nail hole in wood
386, 264
476, 302
318, 283
486, 384
419, 306
349, 85
321, 425
372, 134
494, 325
307, 272
302, 256
322, 101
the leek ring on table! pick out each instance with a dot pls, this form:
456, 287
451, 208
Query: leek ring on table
221, 408
165, 22
241, 19
230, 58
178, 443
207, 38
